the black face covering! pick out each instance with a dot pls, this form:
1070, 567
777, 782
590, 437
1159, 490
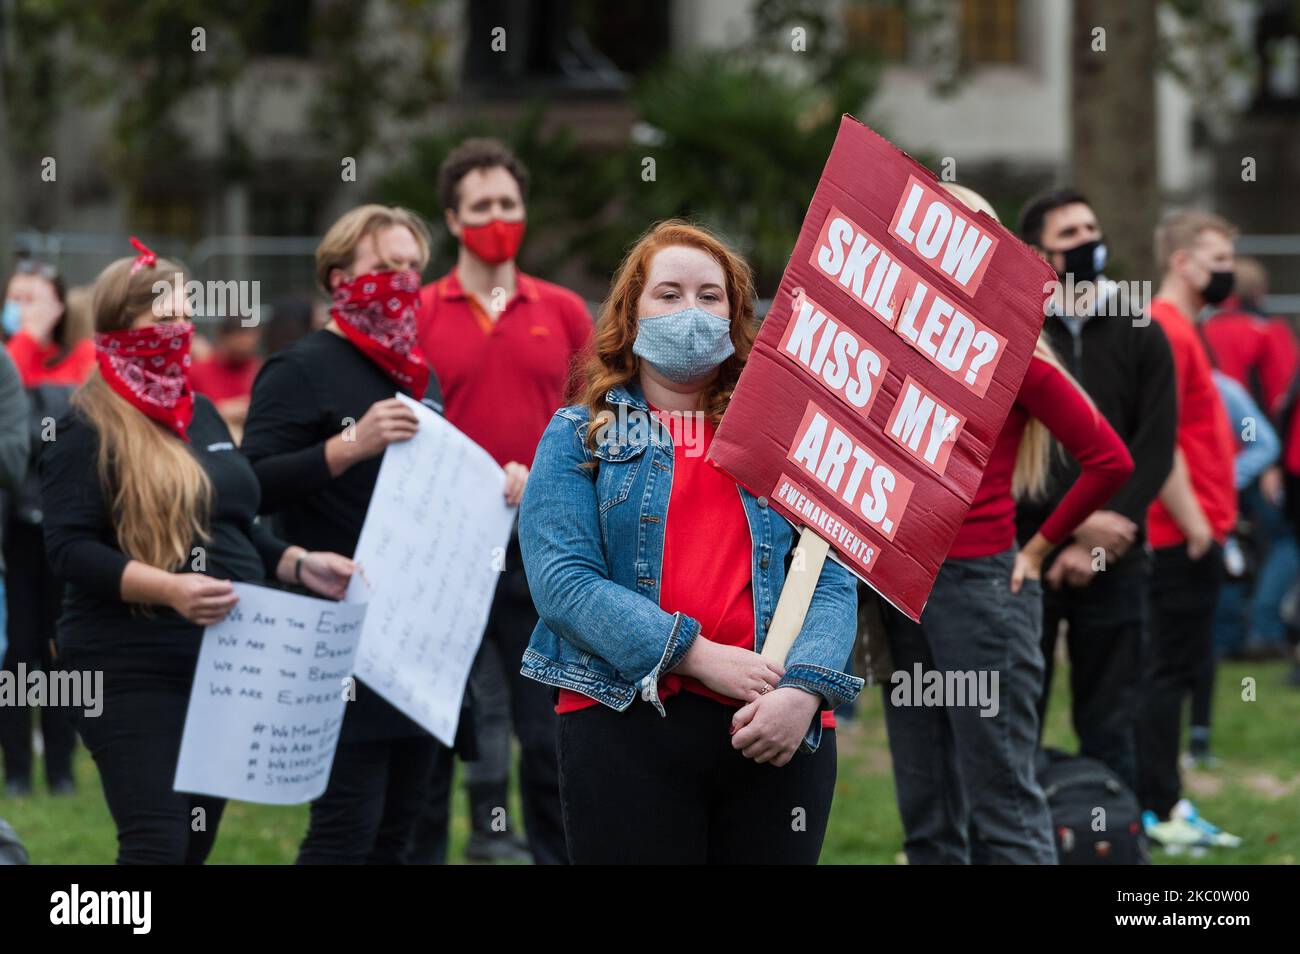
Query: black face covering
1218, 288
1085, 261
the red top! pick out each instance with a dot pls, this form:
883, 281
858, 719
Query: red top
31, 358
1253, 350
1204, 434
1291, 446
502, 380
1048, 396
222, 380
707, 571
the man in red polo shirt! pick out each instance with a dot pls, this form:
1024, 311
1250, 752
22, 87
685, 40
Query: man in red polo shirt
504, 346
1189, 521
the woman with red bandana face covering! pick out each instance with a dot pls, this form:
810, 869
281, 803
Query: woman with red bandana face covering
147, 480
321, 415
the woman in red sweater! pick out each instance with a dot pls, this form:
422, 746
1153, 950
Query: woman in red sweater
40, 340
960, 707
39, 336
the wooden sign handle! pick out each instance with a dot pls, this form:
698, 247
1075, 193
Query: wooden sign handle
792, 606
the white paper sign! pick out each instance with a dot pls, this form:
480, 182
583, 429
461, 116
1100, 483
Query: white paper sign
432, 549
268, 698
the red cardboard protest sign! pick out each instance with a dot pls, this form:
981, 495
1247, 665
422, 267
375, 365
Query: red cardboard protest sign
872, 399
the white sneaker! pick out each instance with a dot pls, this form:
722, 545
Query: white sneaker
1214, 835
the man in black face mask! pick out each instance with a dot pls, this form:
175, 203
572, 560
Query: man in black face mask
1097, 581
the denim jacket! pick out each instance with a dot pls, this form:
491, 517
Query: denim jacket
593, 545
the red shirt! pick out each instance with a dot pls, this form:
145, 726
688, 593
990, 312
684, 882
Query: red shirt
32, 360
222, 380
503, 380
1204, 435
1258, 352
1291, 447
707, 571
1105, 463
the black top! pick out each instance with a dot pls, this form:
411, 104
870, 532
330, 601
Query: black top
83, 550
302, 397
1128, 371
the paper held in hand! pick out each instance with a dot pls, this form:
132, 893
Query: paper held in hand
432, 550
268, 698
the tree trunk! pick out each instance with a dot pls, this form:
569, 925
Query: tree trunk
1113, 126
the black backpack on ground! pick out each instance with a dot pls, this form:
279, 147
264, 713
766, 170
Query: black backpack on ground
1076, 787
11, 849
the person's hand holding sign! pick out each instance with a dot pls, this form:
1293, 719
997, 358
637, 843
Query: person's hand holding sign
386, 422
732, 671
199, 598
770, 728
516, 480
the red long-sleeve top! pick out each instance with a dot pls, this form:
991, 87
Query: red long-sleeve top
33, 361
1105, 463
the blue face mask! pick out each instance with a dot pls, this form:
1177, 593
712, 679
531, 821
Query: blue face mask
685, 345
12, 319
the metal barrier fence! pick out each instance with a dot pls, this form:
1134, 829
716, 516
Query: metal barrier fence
283, 265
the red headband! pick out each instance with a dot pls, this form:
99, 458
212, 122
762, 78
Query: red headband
146, 258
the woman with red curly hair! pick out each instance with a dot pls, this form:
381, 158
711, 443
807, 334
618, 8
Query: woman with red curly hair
655, 576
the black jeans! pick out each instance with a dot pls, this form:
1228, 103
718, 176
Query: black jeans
638, 788
33, 596
1106, 625
532, 713
1184, 593
430, 836
963, 774
135, 742
376, 790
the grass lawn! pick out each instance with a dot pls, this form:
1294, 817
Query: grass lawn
1255, 791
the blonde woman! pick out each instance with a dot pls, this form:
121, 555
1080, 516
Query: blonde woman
965, 768
156, 516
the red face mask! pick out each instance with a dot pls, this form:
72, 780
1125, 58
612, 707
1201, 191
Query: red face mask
376, 312
150, 369
494, 242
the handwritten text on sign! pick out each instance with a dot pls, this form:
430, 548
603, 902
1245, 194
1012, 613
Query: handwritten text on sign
268, 698
886, 366
432, 547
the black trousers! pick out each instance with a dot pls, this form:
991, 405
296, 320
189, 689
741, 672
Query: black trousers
33, 598
532, 712
135, 742
1106, 625
964, 771
1184, 593
376, 791
637, 788
430, 838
